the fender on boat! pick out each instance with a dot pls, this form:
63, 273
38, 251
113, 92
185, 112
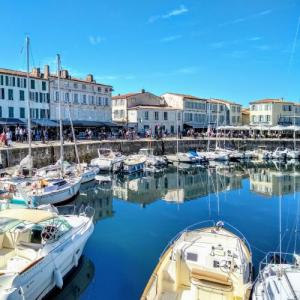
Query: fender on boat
75, 260
58, 279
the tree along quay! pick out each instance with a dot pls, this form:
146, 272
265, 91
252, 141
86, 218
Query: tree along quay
45, 154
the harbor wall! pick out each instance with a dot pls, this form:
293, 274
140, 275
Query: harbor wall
45, 154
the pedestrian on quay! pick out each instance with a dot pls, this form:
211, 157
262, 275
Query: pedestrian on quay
8, 137
21, 135
17, 133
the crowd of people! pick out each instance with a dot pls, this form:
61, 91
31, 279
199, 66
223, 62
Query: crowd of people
19, 134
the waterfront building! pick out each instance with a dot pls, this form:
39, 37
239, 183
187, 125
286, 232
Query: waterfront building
87, 101
272, 112
245, 116
121, 104
155, 118
14, 96
222, 112
194, 109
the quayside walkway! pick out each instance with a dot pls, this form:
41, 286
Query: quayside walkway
48, 153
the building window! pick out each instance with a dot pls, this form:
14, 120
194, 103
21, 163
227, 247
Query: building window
146, 115
43, 113
56, 96
0, 111
32, 84
268, 118
2, 93
75, 85
83, 99
178, 116
76, 98
287, 108
67, 97
165, 115
11, 112
22, 95
99, 89
44, 85
84, 87
156, 116
22, 112
1, 80
10, 94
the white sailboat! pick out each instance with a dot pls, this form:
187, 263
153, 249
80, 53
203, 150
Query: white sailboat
38, 248
279, 273
54, 190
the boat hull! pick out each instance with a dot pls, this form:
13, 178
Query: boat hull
40, 279
58, 196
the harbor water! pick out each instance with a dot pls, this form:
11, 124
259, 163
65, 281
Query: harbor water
137, 216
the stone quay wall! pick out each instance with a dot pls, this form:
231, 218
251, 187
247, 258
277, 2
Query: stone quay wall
45, 154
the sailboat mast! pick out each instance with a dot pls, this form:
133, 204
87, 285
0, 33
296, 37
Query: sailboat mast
177, 145
59, 114
280, 233
28, 109
294, 134
208, 126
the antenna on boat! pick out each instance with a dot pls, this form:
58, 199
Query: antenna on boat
28, 108
59, 115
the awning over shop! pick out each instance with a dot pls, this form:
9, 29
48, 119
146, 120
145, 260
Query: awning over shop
194, 125
45, 122
11, 121
88, 123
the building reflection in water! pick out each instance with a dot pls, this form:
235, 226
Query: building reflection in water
76, 282
273, 181
174, 185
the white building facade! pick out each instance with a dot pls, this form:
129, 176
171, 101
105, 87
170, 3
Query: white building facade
14, 94
83, 100
155, 118
194, 109
121, 104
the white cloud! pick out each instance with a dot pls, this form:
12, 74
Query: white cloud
171, 38
247, 18
173, 13
176, 12
113, 77
263, 47
95, 40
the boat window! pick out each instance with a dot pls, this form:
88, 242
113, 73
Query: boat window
191, 256
36, 234
60, 183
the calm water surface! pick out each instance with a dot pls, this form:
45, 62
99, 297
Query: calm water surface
138, 216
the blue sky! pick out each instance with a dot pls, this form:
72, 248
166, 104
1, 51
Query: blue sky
238, 50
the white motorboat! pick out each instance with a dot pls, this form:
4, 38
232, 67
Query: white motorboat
38, 248
293, 154
133, 164
108, 160
190, 157
279, 277
216, 155
280, 153
151, 159
250, 154
88, 173
203, 263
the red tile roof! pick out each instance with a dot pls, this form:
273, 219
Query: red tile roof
271, 101
215, 100
18, 73
186, 96
80, 80
125, 96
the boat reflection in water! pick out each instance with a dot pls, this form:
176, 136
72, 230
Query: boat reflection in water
174, 185
98, 197
75, 282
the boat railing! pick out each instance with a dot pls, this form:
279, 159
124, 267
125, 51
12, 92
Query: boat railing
277, 258
208, 223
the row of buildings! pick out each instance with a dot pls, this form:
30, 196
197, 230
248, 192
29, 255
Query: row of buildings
84, 100
90, 104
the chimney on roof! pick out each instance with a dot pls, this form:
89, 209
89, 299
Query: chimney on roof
64, 74
46, 71
143, 91
36, 72
90, 78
